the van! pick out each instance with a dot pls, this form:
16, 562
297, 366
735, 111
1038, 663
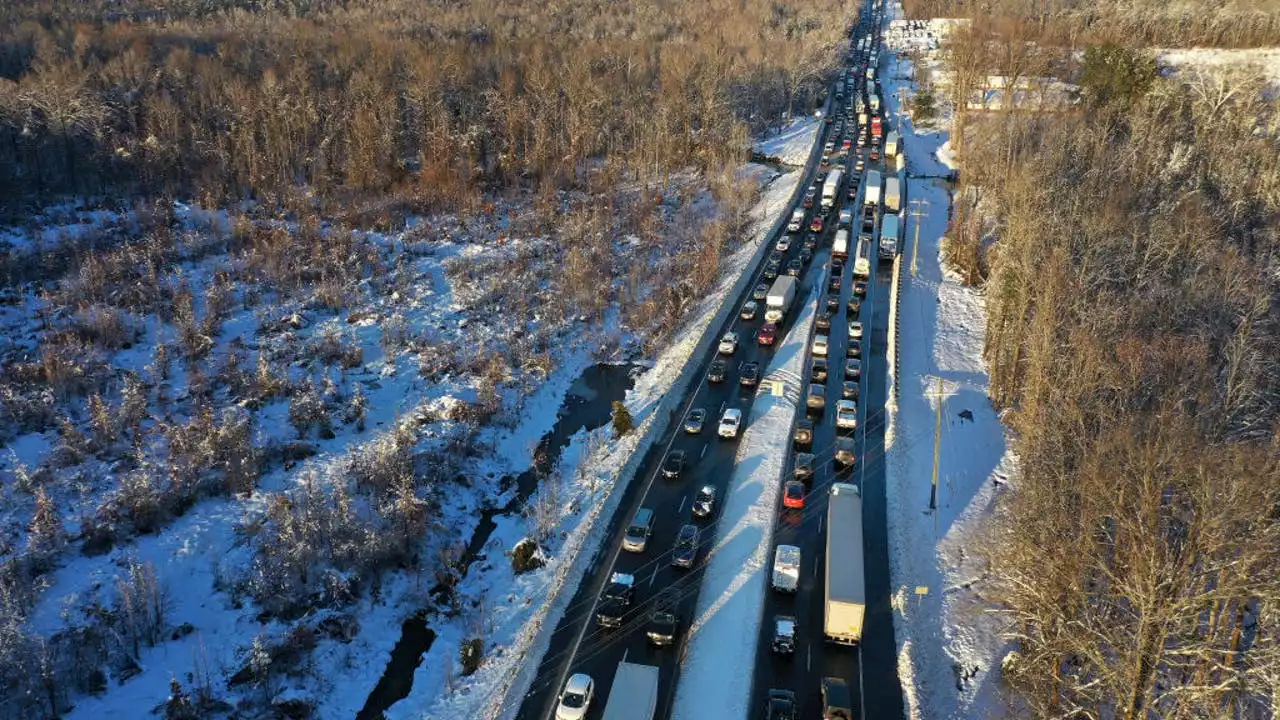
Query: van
836, 702
637, 537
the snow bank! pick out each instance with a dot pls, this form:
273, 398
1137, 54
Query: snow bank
715, 677
948, 641
793, 143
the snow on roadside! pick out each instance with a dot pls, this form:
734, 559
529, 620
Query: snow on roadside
1266, 60
792, 144
715, 676
598, 470
948, 640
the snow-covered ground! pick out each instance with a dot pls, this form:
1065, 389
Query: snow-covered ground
1264, 60
200, 554
948, 640
720, 650
792, 144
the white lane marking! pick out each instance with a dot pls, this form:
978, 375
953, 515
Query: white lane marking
624, 655
726, 402
682, 502
654, 576
819, 523
808, 659
704, 450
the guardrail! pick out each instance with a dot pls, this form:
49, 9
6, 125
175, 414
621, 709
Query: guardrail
651, 429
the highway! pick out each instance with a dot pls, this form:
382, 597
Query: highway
870, 669
578, 645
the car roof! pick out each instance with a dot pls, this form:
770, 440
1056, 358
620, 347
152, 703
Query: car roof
578, 683
785, 624
688, 529
708, 489
732, 413
847, 405
622, 578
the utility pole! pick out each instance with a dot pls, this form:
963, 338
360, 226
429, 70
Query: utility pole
917, 213
937, 395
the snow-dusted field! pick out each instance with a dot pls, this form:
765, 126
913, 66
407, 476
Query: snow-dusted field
948, 641
411, 397
720, 650
1263, 60
792, 144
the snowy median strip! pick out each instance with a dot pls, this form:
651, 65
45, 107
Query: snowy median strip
720, 651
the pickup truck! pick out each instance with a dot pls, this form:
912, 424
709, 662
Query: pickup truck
786, 568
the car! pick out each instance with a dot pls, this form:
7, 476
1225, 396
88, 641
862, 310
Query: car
822, 321
796, 222
615, 600
837, 266
833, 283
853, 349
822, 174
828, 147
685, 551
846, 145
811, 241
749, 374
784, 634
844, 454
849, 390
795, 267
853, 368
815, 398
855, 330
783, 244
802, 436
760, 292
704, 502
728, 343
806, 254
663, 621
717, 371
749, 310
826, 162
793, 495
803, 468
847, 415
674, 464
862, 140
818, 370
576, 697
855, 305
771, 271
820, 345
768, 334
860, 289
816, 224
833, 303
875, 155
776, 256
781, 705
853, 187
836, 699
695, 420
730, 423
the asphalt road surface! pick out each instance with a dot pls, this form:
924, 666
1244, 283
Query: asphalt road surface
578, 644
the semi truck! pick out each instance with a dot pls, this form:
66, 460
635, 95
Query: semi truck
872, 196
786, 568
846, 600
830, 190
840, 248
779, 299
890, 232
892, 193
634, 693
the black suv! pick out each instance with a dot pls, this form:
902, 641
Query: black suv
803, 435
836, 704
663, 622
717, 371
674, 464
615, 600
685, 551
781, 705
749, 374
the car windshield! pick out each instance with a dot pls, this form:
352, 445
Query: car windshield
635, 531
573, 700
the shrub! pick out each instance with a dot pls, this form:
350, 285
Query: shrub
470, 655
622, 422
525, 557
1116, 76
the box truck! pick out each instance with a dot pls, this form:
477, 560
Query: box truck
890, 232
779, 299
872, 185
874, 100
840, 248
891, 142
846, 600
862, 260
830, 189
892, 193
634, 693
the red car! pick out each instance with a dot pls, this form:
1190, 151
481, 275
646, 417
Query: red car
793, 495
816, 225
875, 155
768, 333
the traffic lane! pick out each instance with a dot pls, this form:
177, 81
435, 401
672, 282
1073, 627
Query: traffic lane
884, 689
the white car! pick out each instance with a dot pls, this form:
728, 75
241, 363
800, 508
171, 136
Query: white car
784, 244
576, 698
797, 220
847, 414
728, 343
820, 345
855, 330
730, 422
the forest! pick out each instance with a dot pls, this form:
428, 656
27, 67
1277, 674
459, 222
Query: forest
1129, 252
432, 104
